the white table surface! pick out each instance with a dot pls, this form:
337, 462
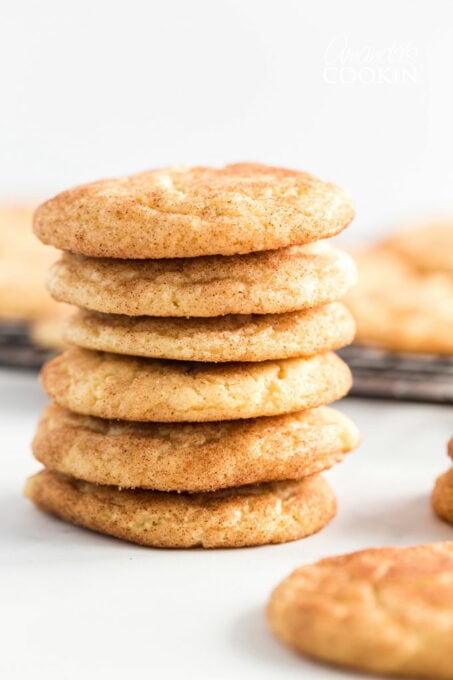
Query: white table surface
75, 605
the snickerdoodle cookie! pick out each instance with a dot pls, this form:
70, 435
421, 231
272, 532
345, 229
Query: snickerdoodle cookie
114, 386
195, 456
400, 308
252, 515
383, 610
23, 266
442, 495
217, 339
427, 246
186, 212
259, 283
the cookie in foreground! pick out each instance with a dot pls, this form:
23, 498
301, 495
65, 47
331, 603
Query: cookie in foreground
129, 388
218, 339
186, 212
192, 456
384, 610
272, 282
253, 515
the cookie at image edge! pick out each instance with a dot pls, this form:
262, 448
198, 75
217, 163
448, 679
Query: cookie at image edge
271, 282
384, 610
130, 388
442, 496
187, 212
216, 339
192, 456
253, 515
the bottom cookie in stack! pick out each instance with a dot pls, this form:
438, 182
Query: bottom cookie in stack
240, 483
242, 516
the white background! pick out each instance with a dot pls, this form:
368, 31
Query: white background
99, 88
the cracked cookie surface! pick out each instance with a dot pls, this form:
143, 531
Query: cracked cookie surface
192, 456
187, 212
137, 389
384, 610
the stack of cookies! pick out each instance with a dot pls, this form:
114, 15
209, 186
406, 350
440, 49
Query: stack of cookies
190, 409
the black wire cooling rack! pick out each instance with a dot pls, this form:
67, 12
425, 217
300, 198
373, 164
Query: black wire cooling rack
16, 348
377, 373
391, 375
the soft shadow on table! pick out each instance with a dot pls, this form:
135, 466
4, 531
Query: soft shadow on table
26, 527
251, 635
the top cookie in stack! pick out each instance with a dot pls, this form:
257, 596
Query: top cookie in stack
188, 212
205, 302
